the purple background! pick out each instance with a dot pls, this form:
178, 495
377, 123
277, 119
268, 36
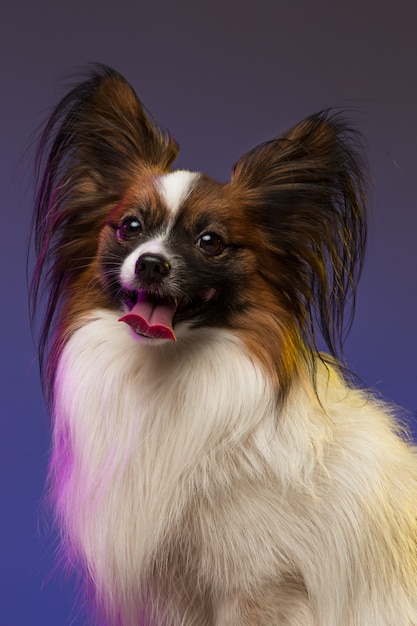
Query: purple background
222, 77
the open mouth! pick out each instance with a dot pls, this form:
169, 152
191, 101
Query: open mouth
154, 317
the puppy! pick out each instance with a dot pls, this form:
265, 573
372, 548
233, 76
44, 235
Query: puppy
209, 466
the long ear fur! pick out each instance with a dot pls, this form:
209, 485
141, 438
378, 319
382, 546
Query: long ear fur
97, 140
306, 192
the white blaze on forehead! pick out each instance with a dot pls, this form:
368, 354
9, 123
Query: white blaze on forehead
175, 187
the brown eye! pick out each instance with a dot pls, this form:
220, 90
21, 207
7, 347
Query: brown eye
129, 229
211, 244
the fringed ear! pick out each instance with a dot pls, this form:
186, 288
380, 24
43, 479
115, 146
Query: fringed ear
305, 191
96, 142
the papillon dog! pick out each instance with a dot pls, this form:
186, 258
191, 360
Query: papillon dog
210, 465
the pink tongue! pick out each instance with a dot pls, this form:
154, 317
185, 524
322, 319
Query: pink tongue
152, 317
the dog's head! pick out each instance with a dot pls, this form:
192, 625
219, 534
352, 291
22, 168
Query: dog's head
271, 255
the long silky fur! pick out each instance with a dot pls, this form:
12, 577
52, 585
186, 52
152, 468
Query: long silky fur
233, 478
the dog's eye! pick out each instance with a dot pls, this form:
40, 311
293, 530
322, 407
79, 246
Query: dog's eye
211, 244
129, 229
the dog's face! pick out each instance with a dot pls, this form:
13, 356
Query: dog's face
176, 255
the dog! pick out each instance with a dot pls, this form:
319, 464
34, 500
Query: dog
211, 466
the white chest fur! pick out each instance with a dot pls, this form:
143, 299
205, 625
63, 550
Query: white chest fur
137, 433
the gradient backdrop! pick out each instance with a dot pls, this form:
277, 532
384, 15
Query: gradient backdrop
223, 76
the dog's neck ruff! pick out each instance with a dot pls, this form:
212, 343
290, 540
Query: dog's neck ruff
133, 423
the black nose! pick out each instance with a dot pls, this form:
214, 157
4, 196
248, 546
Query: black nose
151, 267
